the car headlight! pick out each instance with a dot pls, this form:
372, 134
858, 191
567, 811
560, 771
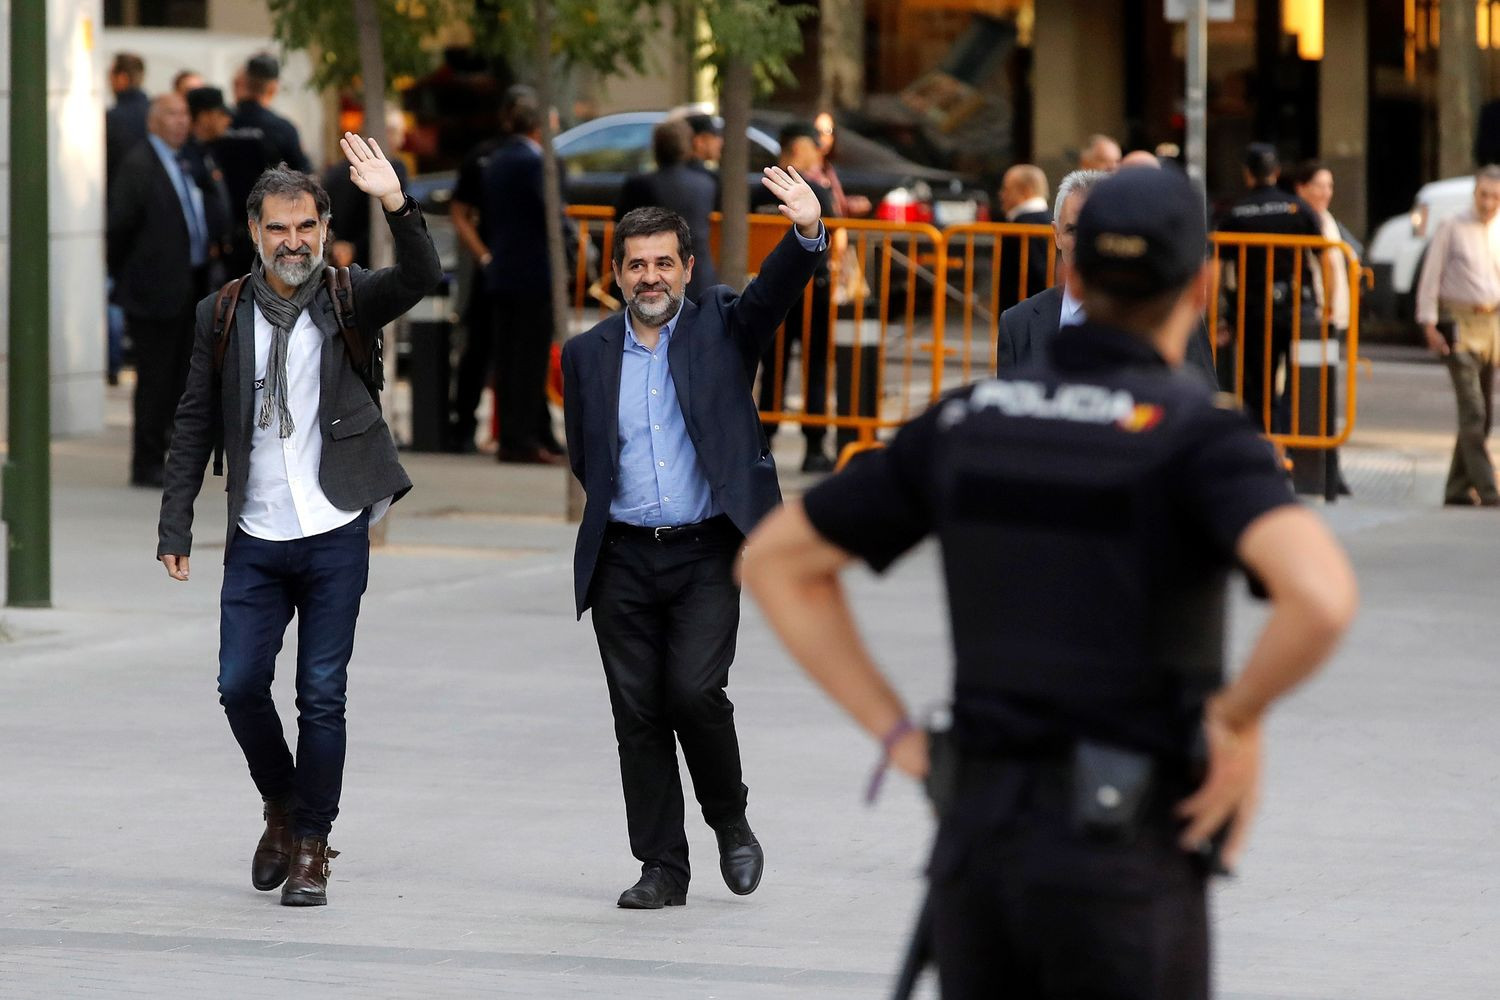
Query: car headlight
1419, 221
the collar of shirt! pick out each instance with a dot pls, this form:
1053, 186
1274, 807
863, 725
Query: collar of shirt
1072, 309
1027, 206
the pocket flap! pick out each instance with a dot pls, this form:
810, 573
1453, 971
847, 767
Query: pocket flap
356, 422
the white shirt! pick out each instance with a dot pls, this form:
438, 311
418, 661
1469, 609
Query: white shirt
1027, 206
1462, 266
1072, 310
283, 498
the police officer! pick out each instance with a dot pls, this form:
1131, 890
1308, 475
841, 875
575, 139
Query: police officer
1089, 511
1266, 208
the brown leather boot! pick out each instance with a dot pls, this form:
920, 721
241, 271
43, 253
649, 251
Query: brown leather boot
273, 855
307, 885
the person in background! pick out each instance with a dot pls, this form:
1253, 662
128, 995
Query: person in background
675, 185
1100, 152
1460, 285
208, 120
465, 209
1023, 200
845, 206
708, 143
124, 129
260, 81
187, 80
1313, 183
803, 333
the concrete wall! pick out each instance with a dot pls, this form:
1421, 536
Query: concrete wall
75, 151
1344, 106
1078, 73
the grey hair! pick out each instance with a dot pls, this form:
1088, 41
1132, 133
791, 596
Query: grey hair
1077, 182
1488, 172
281, 181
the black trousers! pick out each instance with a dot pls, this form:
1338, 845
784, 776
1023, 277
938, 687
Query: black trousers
814, 348
474, 364
522, 325
163, 350
1025, 906
666, 616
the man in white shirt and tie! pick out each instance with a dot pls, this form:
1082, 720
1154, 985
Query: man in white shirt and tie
310, 464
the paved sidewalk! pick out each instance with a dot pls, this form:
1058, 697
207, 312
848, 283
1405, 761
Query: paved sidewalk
483, 833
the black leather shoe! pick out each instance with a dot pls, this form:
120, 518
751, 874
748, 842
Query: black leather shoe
307, 882
273, 855
655, 890
741, 860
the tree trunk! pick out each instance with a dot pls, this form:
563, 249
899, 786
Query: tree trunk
1457, 81
841, 55
372, 78
736, 86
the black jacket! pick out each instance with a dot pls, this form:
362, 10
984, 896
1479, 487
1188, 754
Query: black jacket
715, 349
692, 193
1011, 291
124, 129
146, 239
514, 212
359, 465
1029, 326
281, 133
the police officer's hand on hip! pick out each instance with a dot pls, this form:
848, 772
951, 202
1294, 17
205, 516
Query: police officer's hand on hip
1089, 511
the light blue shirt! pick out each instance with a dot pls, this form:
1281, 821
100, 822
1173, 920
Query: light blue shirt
660, 480
189, 197
1072, 311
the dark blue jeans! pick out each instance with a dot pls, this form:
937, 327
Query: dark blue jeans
321, 578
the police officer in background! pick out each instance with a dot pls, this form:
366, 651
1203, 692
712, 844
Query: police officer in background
1072, 859
1266, 208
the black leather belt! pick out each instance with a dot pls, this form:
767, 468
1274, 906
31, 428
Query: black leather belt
674, 533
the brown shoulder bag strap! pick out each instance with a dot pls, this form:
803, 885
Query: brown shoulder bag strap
224, 307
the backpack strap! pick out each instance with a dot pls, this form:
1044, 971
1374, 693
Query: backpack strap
366, 359
224, 308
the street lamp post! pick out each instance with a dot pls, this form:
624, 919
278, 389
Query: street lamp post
25, 490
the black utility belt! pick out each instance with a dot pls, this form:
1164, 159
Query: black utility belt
713, 527
1109, 793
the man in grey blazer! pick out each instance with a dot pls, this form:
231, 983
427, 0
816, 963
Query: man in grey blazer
311, 464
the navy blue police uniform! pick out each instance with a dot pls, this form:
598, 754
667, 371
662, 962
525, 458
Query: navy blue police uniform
1267, 209
1088, 510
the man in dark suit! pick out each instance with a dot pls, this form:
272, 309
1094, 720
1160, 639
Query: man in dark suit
125, 123
666, 440
517, 277
1029, 326
311, 464
208, 117
158, 247
1023, 199
256, 87
674, 185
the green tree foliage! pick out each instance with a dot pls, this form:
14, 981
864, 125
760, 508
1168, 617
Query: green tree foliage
327, 30
760, 32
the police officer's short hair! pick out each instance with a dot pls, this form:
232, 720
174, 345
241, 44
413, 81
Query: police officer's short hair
1262, 161
525, 116
1076, 182
281, 181
649, 222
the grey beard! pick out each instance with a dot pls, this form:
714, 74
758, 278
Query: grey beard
293, 269
655, 316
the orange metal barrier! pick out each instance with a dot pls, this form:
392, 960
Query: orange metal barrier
870, 342
978, 254
1273, 320
888, 351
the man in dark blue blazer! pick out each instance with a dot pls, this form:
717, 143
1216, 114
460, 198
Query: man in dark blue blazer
517, 277
667, 442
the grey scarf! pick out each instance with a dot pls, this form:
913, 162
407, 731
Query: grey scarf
282, 315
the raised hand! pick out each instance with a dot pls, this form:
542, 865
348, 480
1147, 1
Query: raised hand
371, 172
798, 202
